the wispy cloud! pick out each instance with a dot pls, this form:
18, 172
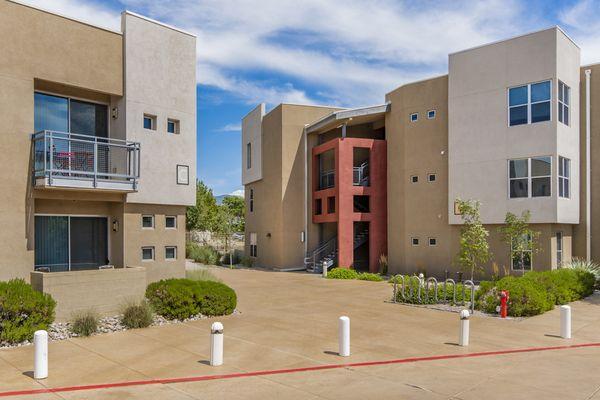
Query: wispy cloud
230, 128
581, 20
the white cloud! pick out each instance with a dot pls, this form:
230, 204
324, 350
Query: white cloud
230, 128
86, 12
582, 23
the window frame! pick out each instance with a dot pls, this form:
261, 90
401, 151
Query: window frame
414, 117
175, 253
251, 201
151, 248
512, 259
430, 115
253, 244
564, 180
153, 218
562, 104
431, 175
174, 217
152, 119
529, 177
529, 103
414, 241
429, 241
175, 123
559, 249
414, 179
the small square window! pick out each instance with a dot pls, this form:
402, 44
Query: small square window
431, 177
172, 126
318, 207
171, 253
147, 253
331, 205
171, 222
414, 241
432, 241
149, 122
148, 221
431, 114
414, 178
414, 117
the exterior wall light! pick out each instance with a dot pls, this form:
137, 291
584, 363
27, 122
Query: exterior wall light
115, 225
269, 234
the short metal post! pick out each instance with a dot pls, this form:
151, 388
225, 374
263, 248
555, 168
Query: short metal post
565, 322
216, 344
40, 360
324, 270
344, 333
463, 335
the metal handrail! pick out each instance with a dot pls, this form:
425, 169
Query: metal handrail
359, 176
330, 244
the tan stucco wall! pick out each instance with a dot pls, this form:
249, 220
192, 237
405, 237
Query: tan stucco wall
160, 80
103, 291
252, 135
40, 45
135, 237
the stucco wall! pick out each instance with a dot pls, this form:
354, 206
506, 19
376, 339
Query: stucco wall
251, 134
160, 80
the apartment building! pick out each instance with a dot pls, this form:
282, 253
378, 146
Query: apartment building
98, 156
510, 125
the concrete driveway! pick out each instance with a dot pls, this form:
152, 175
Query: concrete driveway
288, 321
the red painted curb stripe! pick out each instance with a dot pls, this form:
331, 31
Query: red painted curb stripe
290, 370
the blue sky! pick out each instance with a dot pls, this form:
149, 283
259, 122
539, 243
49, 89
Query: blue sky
345, 53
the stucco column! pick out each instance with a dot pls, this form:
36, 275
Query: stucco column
343, 185
378, 203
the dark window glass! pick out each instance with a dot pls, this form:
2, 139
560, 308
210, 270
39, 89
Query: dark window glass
170, 253
518, 96
52, 243
171, 126
415, 241
541, 166
171, 222
147, 123
330, 205
518, 188
89, 118
89, 243
518, 168
148, 253
540, 91
518, 115
51, 113
540, 187
318, 207
147, 221
540, 112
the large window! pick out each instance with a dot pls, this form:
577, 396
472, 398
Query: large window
564, 175
530, 103
564, 97
61, 114
253, 247
559, 249
530, 177
521, 260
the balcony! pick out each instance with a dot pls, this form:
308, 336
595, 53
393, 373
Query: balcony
327, 179
68, 160
360, 175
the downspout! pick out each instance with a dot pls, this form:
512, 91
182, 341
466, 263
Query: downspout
588, 168
305, 233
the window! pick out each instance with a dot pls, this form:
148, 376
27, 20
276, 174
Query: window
414, 241
564, 173
253, 246
148, 221
414, 117
431, 177
521, 260
530, 103
251, 200
559, 249
432, 241
530, 177
172, 126
148, 253
149, 122
170, 253
318, 207
361, 204
171, 222
248, 155
564, 97
414, 178
431, 114
330, 205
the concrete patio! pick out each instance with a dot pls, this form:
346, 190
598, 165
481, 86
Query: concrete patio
289, 320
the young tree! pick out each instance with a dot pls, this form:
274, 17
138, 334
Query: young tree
474, 247
224, 227
202, 215
519, 237
236, 206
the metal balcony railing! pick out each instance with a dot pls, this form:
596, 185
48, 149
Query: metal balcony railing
360, 175
327, 180
65, 159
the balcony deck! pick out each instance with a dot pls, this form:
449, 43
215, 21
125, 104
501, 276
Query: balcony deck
65, 160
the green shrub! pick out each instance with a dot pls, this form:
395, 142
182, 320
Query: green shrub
586, 266
23, 311
527, 297
201, 275
202, 254
85, 323
183, 298
137, 315
247, 262
342, 273
235, 259
367, 276
564, 285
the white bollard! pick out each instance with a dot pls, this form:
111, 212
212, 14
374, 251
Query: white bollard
216, 344
463, 336
324, 270
344, 333
40, 358
565, 322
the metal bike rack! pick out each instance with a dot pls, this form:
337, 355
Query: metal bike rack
435, 289
472, 284
411, 290
450, 280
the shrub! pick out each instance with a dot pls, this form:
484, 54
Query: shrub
183, 298
201, 275
235, 259
564, 285
445, 294
85, 323
247, 262
583, 265
202, 254
367, 276
137, 315
342, 273
527, 297
23, 311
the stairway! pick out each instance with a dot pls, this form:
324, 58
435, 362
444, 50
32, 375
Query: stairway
325, 255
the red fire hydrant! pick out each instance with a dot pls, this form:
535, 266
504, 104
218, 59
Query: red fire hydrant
503, 303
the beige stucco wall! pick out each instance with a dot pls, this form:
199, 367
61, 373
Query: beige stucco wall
136, 237
251, 134
160, 80
40, 45
480, 140
103, 291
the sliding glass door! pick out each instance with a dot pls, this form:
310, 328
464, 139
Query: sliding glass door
68, 243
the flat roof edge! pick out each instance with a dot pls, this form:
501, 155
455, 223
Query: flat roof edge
158, 23
346, 114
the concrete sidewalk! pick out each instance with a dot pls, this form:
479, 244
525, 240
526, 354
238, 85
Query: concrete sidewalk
289, 320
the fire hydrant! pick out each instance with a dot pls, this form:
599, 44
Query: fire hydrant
504, 303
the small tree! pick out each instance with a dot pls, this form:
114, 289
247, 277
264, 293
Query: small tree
236, 206
519, 237
202, 215
474, 247
224, 227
